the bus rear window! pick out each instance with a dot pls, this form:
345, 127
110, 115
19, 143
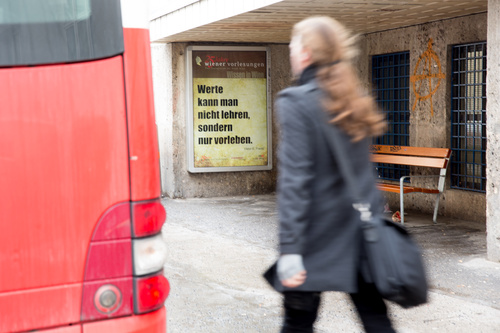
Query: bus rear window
35, 32
47, 11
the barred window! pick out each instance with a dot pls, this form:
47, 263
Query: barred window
468, 117
391, 79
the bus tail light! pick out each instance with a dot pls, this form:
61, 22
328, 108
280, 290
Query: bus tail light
124, 270
149, 254
150, 292
151, 288
108, 282
147, 217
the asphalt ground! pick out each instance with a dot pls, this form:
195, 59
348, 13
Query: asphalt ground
218, 249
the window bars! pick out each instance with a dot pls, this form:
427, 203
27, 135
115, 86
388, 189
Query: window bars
391, 82
468, 117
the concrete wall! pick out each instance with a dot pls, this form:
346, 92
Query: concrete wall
428, 127
430, 119
169, 76
493, 128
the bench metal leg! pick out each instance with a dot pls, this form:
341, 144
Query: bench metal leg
401, 204
434, 218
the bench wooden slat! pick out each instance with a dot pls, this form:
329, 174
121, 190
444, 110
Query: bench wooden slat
411, 151
406, 189
410, 160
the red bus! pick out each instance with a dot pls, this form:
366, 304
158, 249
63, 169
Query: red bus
80, 213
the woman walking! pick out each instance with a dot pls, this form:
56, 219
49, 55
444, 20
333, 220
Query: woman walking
320, 234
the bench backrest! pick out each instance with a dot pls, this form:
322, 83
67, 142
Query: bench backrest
413, 156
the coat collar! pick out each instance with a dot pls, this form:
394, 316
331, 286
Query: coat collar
307, 75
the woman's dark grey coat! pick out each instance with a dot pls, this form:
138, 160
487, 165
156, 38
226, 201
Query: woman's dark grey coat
315, 207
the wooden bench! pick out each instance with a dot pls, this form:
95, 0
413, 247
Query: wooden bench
413, 156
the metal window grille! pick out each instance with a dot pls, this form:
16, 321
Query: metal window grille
391, 82
468, 117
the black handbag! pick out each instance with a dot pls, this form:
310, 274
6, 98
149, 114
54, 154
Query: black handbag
394, 259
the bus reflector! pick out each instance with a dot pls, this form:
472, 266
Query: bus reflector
150, 292
149, 254
107, 298
147, 217
97, 299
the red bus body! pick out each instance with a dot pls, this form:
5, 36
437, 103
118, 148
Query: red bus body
78, 151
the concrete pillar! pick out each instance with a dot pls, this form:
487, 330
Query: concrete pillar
161, 56
493, 131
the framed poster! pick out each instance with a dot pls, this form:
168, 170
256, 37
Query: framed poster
229, 118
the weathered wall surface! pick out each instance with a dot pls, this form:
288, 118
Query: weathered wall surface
430, 124
171, 109
493, 129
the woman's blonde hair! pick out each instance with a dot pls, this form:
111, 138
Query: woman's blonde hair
332, 51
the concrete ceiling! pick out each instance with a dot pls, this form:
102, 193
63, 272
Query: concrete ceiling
273, 23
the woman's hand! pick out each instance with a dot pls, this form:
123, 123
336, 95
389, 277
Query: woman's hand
296, 280
291, 271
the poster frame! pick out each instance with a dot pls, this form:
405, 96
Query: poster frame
190, 110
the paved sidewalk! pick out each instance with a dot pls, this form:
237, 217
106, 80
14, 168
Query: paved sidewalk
219, 247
